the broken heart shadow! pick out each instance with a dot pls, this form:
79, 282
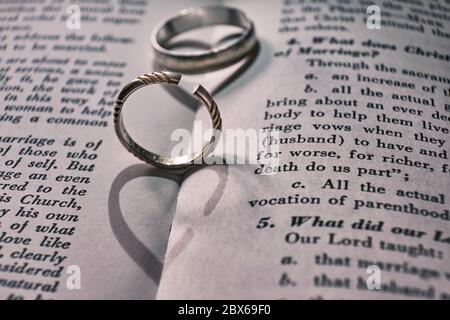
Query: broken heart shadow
128, 240
134, 247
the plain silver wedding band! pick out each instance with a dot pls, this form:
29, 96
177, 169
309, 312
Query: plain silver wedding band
194, 18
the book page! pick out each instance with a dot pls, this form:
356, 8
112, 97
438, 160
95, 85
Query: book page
80, 217
358, 205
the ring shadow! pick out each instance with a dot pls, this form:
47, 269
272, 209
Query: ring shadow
134, 247
137, 251
189, 101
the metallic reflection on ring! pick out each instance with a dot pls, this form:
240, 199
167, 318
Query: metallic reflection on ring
160, 161
205, 60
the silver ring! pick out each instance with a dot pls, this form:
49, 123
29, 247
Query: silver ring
194, 18
178, 162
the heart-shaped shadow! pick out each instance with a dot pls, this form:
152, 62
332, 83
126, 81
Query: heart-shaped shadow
134, 247
137, 251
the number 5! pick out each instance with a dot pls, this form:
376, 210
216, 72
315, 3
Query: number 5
263, 223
